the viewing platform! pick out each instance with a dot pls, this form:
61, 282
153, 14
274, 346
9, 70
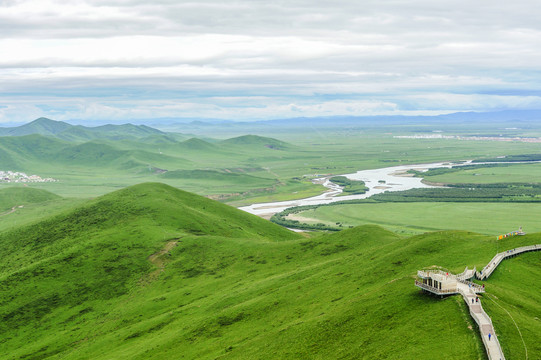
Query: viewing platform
441, 283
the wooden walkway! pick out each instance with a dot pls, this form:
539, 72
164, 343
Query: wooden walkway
499, 257
469, 292
490, 340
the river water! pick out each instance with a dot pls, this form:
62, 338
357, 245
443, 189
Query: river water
393, 178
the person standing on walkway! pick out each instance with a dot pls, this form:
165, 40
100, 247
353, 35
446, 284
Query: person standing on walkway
489, 335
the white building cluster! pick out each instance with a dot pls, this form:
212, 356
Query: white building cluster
20, 177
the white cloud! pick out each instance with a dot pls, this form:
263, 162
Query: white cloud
314, 57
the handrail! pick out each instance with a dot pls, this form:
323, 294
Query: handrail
435, 289
499, 257
475, 288
475, 317
436, 271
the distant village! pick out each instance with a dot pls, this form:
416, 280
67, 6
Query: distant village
474, 138
20, 177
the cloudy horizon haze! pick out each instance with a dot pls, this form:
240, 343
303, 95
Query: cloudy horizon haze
122, 60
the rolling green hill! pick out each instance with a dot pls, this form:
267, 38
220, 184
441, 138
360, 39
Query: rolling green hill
41, 126
22, 152
16, 196
65, 131
257, 142
32, 152
7, 162
154, 272
198, 145
30, 147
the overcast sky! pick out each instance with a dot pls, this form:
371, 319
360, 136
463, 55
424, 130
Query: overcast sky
120, 60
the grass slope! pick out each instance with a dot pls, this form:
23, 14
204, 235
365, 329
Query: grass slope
82, 285
31, 152
27, 149
65, 131
514, 302
41, 126
198, 145
16, 196
256, 141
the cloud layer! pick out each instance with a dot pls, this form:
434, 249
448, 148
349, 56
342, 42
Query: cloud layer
243, 60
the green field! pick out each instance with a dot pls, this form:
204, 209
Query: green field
516, 173
242, 169
419, 217
225, 284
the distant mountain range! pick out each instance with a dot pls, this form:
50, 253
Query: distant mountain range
349, 120
473, 121
65, 131
458, 117
45, 144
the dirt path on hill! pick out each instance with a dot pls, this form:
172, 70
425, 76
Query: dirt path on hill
159, 259
13, 209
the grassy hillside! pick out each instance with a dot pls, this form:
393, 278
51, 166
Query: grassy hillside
514, 302
256, 141
34, 153
197, 144
41, 126
65, 131
15, 196
154, 272
24, 150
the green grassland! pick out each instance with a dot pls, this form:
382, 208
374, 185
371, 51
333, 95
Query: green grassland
16, 196
25, 205
514, 301
510, 173
418, 217
94, 161
82, 284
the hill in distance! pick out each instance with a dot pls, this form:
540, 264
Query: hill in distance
198, 145
65, 131
154, 272
16, 196
256, 142
29, 152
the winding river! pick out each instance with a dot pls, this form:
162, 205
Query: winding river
393, 178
